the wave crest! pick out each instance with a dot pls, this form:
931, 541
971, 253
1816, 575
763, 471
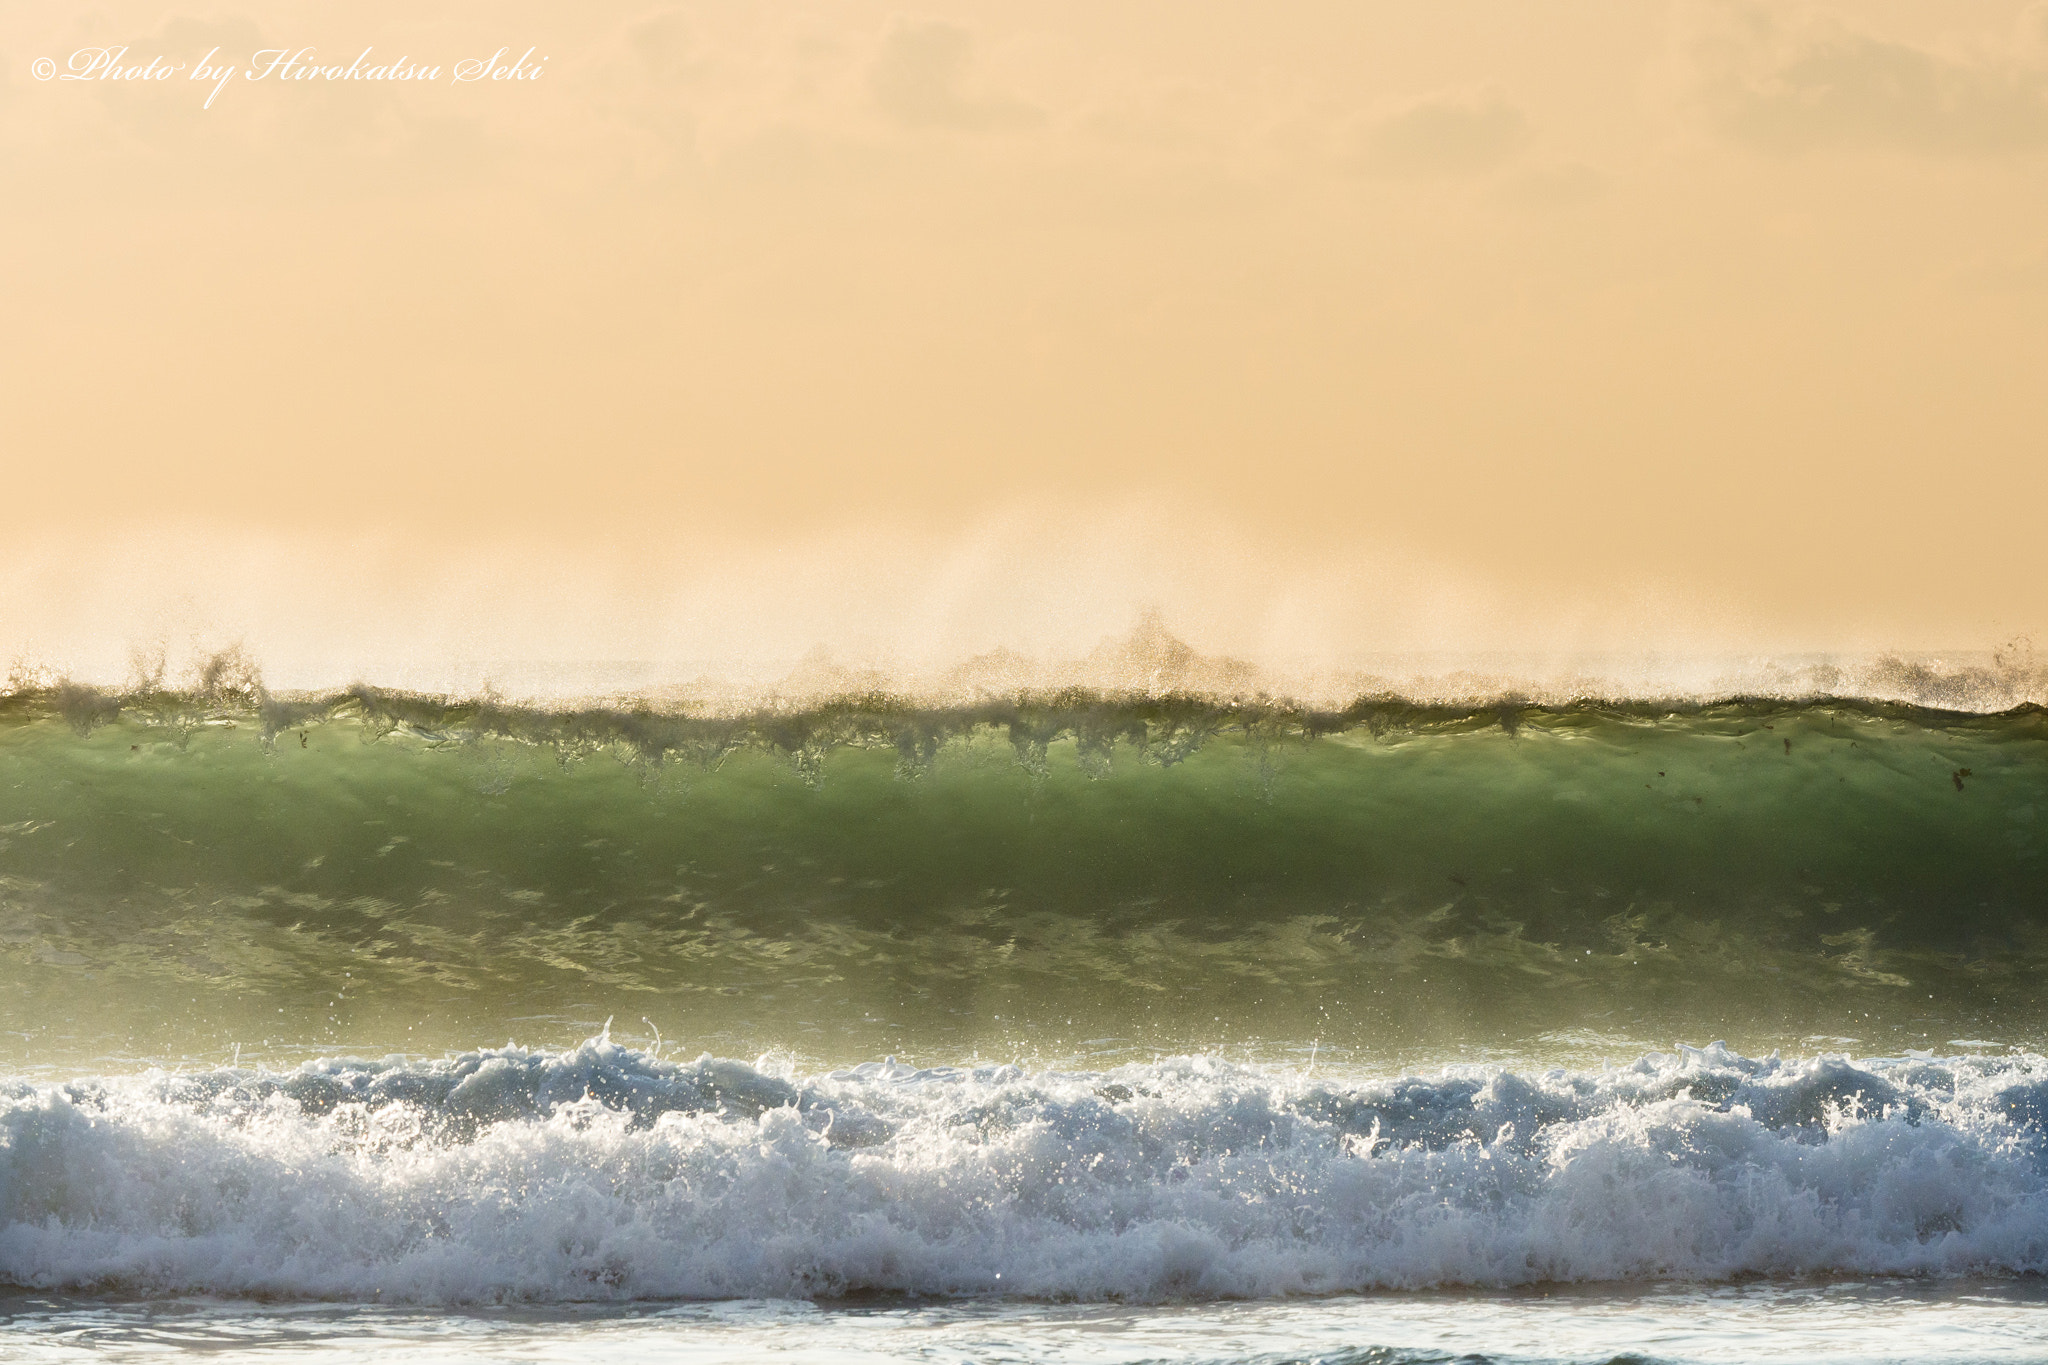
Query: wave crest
1148, 666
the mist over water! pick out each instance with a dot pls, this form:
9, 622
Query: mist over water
1035, 598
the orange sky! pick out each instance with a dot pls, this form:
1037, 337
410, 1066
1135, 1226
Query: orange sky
1324, 328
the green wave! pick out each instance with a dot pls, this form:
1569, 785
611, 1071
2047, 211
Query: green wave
1066, 874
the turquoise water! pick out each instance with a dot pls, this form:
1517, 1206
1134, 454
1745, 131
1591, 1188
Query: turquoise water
1079, 879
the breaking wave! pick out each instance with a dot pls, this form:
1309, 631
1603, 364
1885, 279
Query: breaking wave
604, 1172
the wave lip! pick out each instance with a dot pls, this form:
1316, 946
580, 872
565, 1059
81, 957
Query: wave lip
608, 1173
1149, 664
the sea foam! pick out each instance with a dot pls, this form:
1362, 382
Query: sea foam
606, 1173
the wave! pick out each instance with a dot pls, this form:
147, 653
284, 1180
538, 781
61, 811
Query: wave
1170, 871
607, 1173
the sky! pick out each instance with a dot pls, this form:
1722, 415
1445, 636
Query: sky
743, 330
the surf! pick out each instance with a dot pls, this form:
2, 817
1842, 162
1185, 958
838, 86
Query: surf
604, 1173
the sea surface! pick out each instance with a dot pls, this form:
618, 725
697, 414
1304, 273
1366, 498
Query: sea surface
1070, 1025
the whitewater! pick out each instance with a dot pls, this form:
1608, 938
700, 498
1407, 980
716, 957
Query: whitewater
604, 1172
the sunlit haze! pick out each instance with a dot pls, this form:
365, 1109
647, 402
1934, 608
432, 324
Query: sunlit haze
1323, 332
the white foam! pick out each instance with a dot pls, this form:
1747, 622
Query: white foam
603, 1173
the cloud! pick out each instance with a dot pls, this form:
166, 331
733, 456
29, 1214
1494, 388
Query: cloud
1816, 84
1444, 135
918, 80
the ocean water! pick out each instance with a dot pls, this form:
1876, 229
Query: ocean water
1090, 1025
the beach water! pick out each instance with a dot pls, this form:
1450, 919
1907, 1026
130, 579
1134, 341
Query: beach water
1086, 1025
